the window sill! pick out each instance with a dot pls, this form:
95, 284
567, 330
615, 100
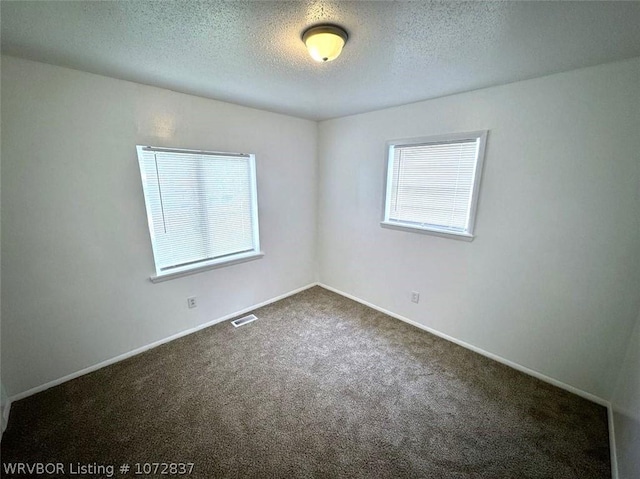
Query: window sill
417, 229
199, 269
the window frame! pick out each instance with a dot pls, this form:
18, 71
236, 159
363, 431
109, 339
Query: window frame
467, 235
219, 262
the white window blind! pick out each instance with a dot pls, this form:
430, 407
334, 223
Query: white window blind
432, 184
201, 206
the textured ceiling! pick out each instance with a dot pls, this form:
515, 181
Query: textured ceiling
251, 53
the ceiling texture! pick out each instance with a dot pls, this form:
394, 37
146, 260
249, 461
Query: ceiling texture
250, 52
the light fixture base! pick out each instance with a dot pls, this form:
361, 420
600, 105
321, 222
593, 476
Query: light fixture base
325, 41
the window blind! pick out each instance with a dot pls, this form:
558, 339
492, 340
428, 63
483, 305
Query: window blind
201, 206
432, 184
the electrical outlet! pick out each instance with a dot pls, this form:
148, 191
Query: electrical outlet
191, 302
415, 297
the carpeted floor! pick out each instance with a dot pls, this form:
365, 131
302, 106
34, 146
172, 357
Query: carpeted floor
319, 386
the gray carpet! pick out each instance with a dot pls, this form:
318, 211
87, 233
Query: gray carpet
319, 386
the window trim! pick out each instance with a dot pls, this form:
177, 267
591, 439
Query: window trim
214, 264
480, 135
241, 257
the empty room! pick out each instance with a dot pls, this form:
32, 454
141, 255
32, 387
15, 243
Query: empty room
320, 239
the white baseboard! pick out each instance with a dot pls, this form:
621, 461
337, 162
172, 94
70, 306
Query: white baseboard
475, 349
612, 443
518, 367
6, 409
511, 364
142, 349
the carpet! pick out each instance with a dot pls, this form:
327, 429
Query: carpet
318, 386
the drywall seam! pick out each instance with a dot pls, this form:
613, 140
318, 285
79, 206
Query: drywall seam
475, 349
135, 352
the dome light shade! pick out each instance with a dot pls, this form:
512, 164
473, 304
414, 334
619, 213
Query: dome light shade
325, 42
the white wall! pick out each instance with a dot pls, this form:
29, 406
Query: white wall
551, 280
626, 410
75, 240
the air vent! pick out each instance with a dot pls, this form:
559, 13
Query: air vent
242, 321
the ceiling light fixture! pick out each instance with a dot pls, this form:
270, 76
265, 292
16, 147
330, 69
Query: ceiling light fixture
325, 42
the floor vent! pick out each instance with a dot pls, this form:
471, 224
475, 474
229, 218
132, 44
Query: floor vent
242, 321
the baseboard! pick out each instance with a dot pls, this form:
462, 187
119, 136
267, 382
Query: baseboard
5, 417
612, 443
142, 349
518, 367
511, 364
475, 349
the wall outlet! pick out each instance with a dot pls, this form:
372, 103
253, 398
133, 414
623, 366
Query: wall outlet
191, 302
415, 297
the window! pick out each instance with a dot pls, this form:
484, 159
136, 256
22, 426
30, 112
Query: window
433, 183
201, 206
